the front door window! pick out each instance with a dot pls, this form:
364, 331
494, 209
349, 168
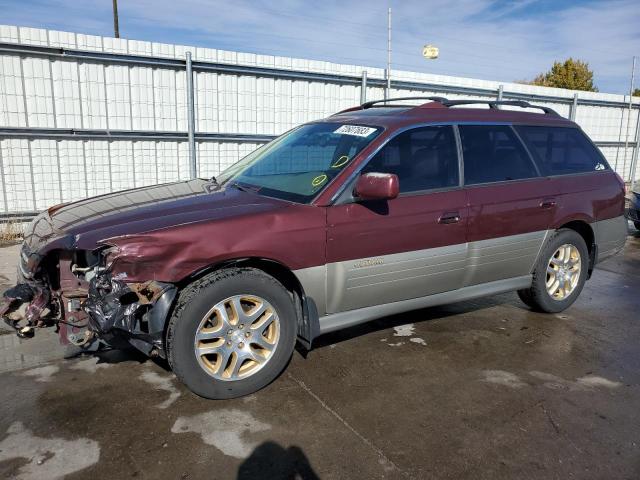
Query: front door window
422, 158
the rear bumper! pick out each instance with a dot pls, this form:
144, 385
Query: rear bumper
610, 236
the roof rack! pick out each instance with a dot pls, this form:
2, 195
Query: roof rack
374, 103
494, 104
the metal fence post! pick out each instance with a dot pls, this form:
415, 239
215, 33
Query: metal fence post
191, 119
574, 108
634, 158
387, 88
363, 88
500, 95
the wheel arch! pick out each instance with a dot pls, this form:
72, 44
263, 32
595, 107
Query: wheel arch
308, 321
585, 230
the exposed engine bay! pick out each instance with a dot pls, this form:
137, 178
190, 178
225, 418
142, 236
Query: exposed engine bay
77, 293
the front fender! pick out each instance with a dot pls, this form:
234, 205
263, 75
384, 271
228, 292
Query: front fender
174, 254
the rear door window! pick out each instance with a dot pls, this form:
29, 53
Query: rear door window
424, 158
561, 151
493, 153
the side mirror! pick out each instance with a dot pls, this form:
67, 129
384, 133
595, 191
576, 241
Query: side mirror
377, 186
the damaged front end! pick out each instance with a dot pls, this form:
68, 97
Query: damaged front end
135, 312
77, 292
25, 307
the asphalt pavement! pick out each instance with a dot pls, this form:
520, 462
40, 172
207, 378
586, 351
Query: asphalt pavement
475, 390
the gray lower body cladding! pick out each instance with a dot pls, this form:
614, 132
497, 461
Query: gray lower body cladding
355, 291
359, 283
610, 236
338, 321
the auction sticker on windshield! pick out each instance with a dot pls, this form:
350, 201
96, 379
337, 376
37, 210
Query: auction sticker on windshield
355, 130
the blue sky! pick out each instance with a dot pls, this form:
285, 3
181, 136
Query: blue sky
503, 40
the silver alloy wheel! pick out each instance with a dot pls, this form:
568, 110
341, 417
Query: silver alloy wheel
563, 272
237, 337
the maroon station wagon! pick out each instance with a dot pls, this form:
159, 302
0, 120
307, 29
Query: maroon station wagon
376, 210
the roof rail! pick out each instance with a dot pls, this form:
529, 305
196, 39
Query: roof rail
493, 104
496, 103
373, 103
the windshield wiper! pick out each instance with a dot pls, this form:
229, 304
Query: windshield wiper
242, 188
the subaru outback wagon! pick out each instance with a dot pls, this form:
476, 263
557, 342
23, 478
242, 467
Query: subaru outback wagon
379, 209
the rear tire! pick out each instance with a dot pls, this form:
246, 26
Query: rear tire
247, 348
559, 274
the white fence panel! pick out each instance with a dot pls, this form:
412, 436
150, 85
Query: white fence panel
146, 96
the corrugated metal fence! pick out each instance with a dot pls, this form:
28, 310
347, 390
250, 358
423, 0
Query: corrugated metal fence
82, 115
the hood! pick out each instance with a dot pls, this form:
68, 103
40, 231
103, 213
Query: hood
84, 223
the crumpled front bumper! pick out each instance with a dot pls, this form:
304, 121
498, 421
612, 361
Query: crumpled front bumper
86, 299
136, 312
105, 307
115, 311
24, 307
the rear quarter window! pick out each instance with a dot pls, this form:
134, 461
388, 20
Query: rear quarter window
562, 151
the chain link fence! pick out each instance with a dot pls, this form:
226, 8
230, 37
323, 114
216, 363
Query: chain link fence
82, 115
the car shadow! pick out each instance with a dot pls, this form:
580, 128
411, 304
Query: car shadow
271, 460
413, 316
111, 355
124, 355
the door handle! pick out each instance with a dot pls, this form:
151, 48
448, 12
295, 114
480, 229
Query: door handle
447, 218
548, 203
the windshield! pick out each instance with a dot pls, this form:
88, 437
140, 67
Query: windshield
300, 163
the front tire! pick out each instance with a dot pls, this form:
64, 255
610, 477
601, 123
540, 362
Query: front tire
232, 333
637, 225
559, 274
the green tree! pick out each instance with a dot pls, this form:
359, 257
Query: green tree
571, 74
636, 92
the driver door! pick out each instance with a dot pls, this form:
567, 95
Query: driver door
408, 247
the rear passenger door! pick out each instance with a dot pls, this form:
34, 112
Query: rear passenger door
510, 204
407, 247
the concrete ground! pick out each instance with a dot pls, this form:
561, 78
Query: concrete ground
475, 390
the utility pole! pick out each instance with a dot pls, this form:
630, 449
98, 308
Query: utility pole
116, 27
387, 91
626, 137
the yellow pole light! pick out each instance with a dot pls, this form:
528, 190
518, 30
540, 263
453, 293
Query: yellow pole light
430, 52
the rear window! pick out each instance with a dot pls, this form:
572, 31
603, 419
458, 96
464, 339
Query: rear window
493, 153
562, 151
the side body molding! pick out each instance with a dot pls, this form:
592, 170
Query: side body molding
391, 284
338, 321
